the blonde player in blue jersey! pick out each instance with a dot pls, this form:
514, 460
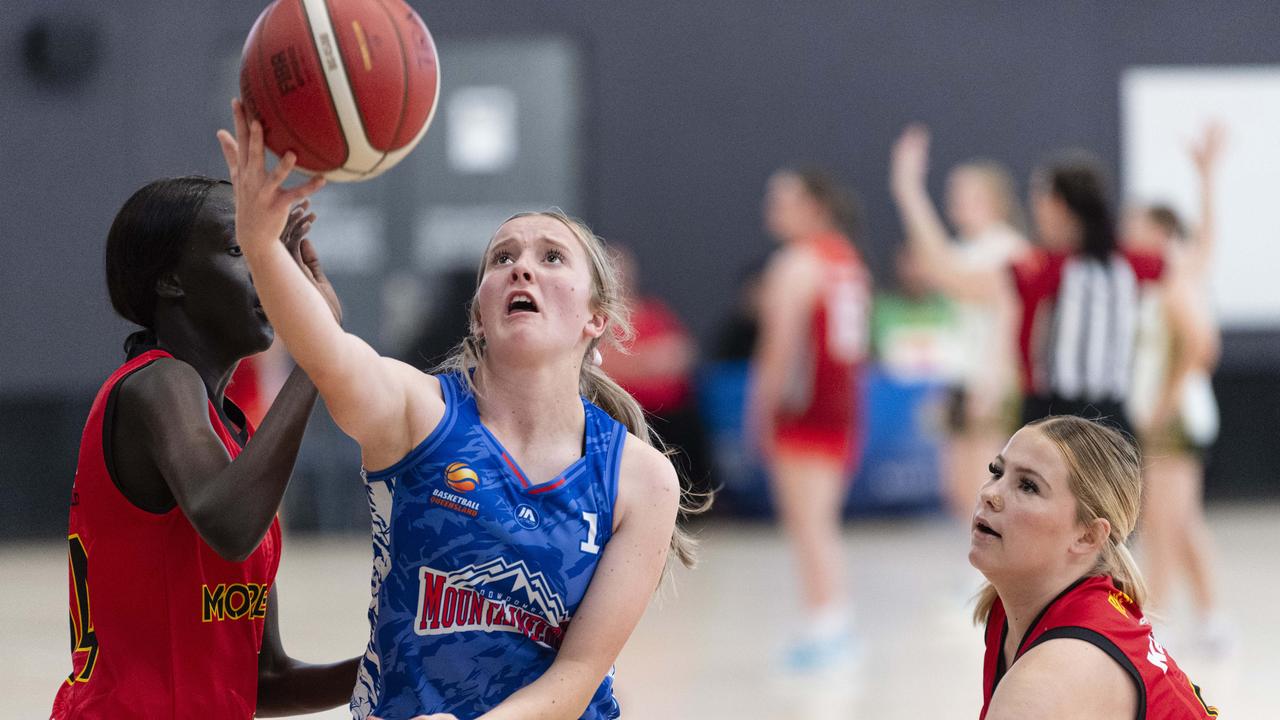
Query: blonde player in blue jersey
519, 528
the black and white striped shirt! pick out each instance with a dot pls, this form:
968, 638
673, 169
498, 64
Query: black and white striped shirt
1079, 323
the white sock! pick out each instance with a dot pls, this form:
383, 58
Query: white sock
832, 619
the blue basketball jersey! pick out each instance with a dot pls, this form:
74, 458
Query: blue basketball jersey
476, 572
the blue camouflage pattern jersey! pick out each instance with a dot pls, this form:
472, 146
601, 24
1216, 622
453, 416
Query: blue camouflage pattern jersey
476, 572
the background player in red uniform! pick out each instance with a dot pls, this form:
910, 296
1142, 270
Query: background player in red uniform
174, 541
1065, 633
657, 367
804, 408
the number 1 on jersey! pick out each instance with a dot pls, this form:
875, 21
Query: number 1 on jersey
593, 523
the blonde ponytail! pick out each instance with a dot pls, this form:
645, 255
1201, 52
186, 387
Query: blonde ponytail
1116, 561
986, 597
609, 396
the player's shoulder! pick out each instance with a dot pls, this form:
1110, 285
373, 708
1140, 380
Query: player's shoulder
421, 386
646, 468
425, 403
795, 258
793, 273
648, 486
165, 384
1065, 676
427, 379
165, 370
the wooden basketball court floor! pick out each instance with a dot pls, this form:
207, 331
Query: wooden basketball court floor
709, 648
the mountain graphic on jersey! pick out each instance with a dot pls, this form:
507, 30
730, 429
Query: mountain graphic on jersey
495, 596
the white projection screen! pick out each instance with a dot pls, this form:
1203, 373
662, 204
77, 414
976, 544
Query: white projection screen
1163, 109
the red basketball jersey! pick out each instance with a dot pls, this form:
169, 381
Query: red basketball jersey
1095, 611
838, 335
161, 626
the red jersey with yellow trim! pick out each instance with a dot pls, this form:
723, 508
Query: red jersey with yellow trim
161, 626
1093, 610
824, 395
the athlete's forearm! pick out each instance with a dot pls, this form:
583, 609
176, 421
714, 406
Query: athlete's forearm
300, 688
920, 222
562, 693
363, 396
1203, 238
237, 507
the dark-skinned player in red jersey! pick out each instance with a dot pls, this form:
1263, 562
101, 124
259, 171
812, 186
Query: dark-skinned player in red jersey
174, 540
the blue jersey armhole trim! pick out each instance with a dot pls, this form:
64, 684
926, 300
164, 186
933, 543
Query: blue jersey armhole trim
434, 438
613, 469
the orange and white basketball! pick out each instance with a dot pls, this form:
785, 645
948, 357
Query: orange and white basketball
350, 86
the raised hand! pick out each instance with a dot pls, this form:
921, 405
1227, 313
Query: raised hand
1205, 155
303, 252
909, 159
311, 266
296, 226
262, 203
1206, 151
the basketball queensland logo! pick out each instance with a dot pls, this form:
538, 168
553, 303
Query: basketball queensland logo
460, 479
496, 596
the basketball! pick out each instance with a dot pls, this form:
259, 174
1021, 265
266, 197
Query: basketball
460, 477
349, 86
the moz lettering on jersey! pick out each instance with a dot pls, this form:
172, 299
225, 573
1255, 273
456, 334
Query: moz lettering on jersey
234, 601
494, 597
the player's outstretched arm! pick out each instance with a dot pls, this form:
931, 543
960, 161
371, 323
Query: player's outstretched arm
289, 687
926, 235
1064, 679
1206, 155
366, 394
628, 574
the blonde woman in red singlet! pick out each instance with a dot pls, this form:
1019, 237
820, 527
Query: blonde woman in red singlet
804, 403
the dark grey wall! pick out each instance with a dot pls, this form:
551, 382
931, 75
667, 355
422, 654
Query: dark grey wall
689, 107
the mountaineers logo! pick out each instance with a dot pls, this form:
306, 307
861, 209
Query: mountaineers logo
497, 596
527, 517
